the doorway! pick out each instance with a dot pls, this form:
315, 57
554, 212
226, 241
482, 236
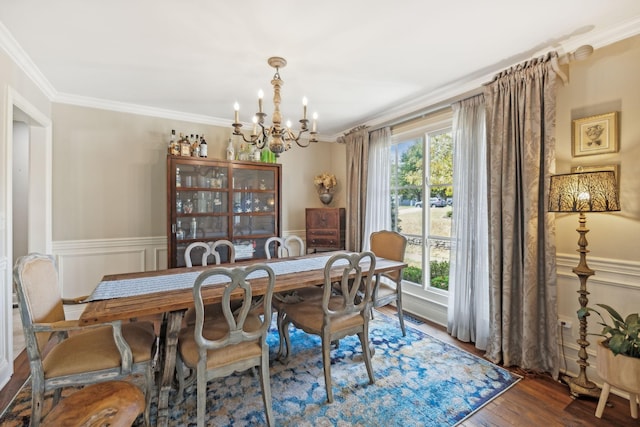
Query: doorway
25, 208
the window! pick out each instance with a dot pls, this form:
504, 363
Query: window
422, 202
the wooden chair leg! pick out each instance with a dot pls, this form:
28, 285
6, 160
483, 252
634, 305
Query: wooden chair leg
366, 354
147, 395
287, 339
401, 315
201, 392
265, 384
604, 394
633, 405
326, 361
37, 400
279, 321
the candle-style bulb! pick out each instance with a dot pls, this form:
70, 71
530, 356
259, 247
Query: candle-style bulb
288, 124
304, 108
236, 108
260, 96
315, 118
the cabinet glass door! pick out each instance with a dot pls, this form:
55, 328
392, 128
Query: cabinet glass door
201, 206
254, 211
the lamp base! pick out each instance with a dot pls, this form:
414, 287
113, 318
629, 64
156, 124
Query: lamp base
579, 388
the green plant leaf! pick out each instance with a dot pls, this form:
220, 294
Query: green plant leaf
614, 314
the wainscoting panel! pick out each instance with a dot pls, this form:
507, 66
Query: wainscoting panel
83, 263
615, 283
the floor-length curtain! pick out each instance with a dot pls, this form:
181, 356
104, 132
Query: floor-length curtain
468, 312
357, 143
521, 110
378, 202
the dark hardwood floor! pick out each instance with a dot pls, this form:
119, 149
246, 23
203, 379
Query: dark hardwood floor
536, 400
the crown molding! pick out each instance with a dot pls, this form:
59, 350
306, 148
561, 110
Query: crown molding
125, 107
20, 57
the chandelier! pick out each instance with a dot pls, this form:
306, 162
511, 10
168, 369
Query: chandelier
276, 137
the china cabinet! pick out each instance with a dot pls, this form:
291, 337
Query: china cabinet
209, 200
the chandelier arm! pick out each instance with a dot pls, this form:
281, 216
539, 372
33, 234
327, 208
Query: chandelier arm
240, 133
291, 137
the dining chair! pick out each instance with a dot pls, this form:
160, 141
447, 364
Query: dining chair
337, 315
283, 248
229, 256
63, 353
202, 246
388, 286
233, 340
211, 248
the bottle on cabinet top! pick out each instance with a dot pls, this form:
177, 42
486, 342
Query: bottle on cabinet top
185, 147
174, 147
231, 152
203, 147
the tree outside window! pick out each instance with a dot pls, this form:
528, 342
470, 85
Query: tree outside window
424, 220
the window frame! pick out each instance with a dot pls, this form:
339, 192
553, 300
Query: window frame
423, 127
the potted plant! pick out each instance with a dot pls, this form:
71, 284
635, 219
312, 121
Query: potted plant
618, 356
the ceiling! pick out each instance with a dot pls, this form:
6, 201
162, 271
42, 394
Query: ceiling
358, 62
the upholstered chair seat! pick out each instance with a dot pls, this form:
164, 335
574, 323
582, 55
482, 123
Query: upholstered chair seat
95, 350
216, 328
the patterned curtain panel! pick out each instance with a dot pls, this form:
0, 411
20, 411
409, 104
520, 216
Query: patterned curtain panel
357, 161
521, 110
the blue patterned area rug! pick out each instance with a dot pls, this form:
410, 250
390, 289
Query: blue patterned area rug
419, 381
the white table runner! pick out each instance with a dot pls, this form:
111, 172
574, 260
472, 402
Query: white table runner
147, 285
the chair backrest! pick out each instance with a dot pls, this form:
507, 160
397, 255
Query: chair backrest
231, 250
283, 248
206, 252
278, 242
354, 286
290, 248
390, 245
236, 281
36, 279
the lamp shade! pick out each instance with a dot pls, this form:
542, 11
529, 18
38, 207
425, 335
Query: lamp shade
584, 192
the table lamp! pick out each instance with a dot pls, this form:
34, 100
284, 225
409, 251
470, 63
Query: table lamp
583, 192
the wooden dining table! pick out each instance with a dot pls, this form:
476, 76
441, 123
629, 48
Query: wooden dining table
168, 294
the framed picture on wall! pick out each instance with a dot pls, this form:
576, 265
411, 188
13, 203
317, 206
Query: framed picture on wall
595, 134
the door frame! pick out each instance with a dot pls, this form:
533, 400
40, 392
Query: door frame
40, 218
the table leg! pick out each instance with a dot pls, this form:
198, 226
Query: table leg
169, 333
